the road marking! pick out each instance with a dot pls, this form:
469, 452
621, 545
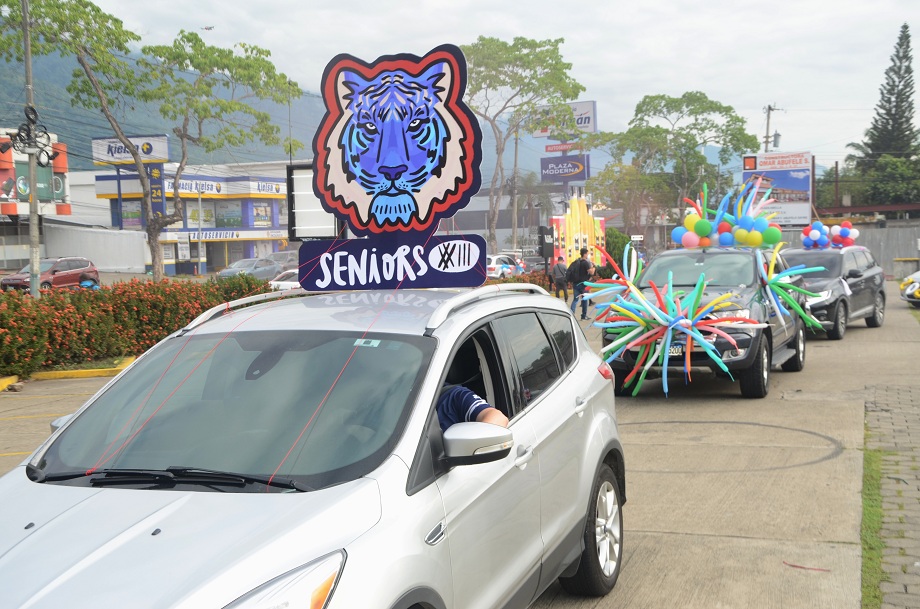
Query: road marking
14, 454
32, 416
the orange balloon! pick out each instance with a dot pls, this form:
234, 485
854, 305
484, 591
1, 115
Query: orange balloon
705, 242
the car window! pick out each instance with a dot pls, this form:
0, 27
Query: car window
78, 264
559, 328
849, 262
831, 260
862, 260
720, 268
532, 353
871, 259
323, 406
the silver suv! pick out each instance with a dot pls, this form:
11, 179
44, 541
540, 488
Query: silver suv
272, 454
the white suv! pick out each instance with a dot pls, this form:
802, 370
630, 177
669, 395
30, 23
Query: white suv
288, 454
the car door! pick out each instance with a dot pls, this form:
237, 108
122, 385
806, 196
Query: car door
857, 283
782, 325
58, 272
552, 392
492, 511
871, 275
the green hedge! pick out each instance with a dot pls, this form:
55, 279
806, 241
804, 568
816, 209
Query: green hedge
75, 326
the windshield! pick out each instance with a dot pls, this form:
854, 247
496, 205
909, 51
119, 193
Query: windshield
246, 263
830, 260
720, 267
43, 265
319, 407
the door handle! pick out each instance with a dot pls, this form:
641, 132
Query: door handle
524, 455
580, 405
436, 534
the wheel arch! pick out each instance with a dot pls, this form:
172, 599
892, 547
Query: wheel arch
419, 598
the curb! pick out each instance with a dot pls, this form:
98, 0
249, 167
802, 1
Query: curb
6, 381
79, 374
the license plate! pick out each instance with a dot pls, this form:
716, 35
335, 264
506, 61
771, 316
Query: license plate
677, 350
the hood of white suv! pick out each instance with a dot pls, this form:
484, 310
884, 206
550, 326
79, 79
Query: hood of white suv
78, 547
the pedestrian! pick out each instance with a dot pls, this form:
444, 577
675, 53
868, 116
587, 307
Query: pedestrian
558, 275
578, 273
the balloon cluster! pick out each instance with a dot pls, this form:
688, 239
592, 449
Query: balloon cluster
749, 226
819, 236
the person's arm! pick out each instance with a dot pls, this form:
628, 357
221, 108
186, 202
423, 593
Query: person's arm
493, 416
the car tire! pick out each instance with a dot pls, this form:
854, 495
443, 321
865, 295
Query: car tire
45, 285
755, 381
878, 313
840, 322
797, 361
599, 566
915, 305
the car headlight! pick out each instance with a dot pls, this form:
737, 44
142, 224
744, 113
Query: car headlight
731, 313
821, 297
307, 587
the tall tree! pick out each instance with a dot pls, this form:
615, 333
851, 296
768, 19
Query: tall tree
204, 89
688, 124
506, 84
892, 131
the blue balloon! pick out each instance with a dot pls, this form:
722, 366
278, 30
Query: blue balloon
761, 224
726, 239
807, 243
746, 222
677, 234
823, 241
819, 226
844, 232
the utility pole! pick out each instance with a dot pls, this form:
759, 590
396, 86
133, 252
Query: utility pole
200, 237
514, 189
766, 139
32, 150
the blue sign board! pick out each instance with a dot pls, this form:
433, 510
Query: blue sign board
415, 260
570, 168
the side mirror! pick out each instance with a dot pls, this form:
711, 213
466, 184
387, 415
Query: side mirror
854, 274
472, 443
60, 422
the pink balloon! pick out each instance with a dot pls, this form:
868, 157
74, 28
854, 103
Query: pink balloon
690, 239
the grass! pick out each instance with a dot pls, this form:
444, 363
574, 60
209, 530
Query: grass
108, 362
872, 543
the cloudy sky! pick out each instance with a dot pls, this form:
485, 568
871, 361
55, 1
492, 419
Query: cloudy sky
819, 62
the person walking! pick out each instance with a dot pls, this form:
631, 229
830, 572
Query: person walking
558, 275
581, 271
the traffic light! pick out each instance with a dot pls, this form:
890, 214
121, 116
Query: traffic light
546, 242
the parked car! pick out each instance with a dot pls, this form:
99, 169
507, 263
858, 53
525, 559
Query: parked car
534, 264
910, 290
287, 280
734, 270
851, 287
290, 450
63, 272
288, 259
500, 266
260, 268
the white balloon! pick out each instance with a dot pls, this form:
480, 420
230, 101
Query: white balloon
815, 234
854, 232
835, 230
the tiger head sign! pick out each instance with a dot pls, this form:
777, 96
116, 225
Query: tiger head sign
397, 149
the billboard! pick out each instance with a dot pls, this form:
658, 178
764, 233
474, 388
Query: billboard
585, 117
570, 168
788, 177
110, 150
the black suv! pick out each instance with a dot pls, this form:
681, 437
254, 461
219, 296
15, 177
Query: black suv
734, 270
852, 286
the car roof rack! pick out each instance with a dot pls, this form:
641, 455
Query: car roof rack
228, 307
449, 306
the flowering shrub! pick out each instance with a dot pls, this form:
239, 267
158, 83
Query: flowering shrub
74, 326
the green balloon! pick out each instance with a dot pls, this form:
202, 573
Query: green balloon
702, 228
772, 235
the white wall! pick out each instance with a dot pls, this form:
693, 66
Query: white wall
112, 251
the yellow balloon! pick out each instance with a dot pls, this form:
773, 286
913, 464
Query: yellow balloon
690, 221
741, 236
755, 238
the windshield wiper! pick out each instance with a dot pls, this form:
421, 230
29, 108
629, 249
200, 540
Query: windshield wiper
171, 476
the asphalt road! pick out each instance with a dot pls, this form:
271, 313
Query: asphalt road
733, 503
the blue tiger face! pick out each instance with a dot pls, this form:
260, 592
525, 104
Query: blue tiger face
395, 139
